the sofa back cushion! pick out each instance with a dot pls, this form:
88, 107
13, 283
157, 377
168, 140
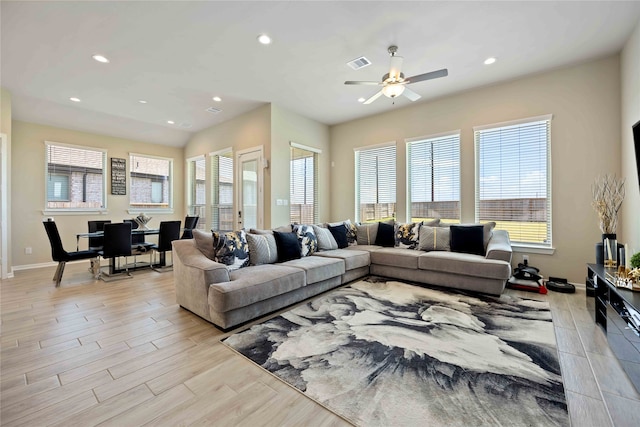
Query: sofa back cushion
204, 243
231, 249
262, 249
467, 239
288, 246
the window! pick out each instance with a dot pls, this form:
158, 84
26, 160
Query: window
196, 196
513, 185
222, 191
75, 178
434, 178
303, 180
150, 182
376, 183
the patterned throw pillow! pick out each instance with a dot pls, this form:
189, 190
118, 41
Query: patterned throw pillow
231, 249
434, 239
326, 241
407, 235
262, 249
307, 237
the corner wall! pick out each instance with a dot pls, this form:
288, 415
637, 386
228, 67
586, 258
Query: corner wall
5, 127
585, 103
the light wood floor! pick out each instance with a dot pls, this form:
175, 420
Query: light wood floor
124, 354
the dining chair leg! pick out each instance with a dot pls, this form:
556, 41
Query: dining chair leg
57, 277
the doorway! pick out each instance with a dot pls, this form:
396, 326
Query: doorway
249, 193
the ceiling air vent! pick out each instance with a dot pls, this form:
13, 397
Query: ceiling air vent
213, 110
358, 63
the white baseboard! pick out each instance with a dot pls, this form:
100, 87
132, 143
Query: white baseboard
32, 266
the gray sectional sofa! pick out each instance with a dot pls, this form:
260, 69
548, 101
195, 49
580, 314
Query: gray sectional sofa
228, 298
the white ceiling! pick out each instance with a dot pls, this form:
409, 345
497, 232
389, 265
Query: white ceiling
177, 55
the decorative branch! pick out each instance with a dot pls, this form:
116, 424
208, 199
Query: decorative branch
608, 194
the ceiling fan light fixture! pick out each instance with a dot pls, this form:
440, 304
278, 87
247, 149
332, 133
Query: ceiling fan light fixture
393, 90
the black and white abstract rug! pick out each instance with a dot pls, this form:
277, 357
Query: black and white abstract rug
386, 353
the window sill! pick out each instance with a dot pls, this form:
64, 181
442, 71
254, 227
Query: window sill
51, 212
158, 211
531, 249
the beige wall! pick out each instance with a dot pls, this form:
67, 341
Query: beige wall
630, 72
585, 103
287, 126
28, 192
5, 127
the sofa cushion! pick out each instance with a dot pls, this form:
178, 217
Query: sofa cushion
288, 246
352, 258
366, 233
231, 249
368, 248
250, 285
339, 233
465, 264
262, 249
467, 239
326, 241
204, 242
397, 257
318, 268
434, 238
307, 237
385, 236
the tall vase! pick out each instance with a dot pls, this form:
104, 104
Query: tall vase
610, 250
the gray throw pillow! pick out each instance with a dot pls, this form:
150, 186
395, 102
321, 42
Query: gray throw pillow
262, 249
204, 242
434, 238
366, 233
326, 241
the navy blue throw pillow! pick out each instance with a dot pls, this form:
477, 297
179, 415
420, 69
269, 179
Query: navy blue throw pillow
386, 235
467, 239
288, 246
339, 233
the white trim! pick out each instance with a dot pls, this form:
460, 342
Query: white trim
237, 172
221, 152
434, 136
156, 211
305, 147
80, 147
529, 249
381, 145
50, 212
542, 118
195, 158
171, 160
32, 266
4, 200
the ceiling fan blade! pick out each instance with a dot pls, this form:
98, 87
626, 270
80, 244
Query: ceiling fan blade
373, 98
410, 94
351, 82
396, 67
428, 76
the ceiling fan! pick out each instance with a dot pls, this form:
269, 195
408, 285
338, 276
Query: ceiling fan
394, 83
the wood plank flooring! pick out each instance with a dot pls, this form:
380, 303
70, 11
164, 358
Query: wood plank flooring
125, 354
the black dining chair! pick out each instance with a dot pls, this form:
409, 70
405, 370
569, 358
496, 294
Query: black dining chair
95, 243
169, 231
117, 244
60, 255
190, 222
138, 244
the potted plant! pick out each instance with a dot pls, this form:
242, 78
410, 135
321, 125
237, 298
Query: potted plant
608, 194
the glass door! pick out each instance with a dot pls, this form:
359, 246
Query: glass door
250, 190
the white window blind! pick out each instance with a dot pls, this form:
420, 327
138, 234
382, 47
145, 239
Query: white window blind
75, 177
197, 193
513, 185
376, 183
222, 191
150, 182
303, 195
434, 178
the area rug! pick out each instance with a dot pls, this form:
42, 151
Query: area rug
386, 353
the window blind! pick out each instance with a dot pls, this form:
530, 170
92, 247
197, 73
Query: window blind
197, 202
303, 194
434, 178
513, 185
75, 177
150, 182
375, 183
222, 191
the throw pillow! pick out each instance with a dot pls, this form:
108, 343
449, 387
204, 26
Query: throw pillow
434, 239
307, 237
385, 236
366, 233
288, 246
326, 241
467, 239
339, 233
204, 242
231, 249
487, 230
350, 230
406, 235
262, 249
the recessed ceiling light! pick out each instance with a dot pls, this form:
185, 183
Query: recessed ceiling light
100, 58
142, 101
489, 61
74, 99
171, 122
217, 98
264, 39
361, 99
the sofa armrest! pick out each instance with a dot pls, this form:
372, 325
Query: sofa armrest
193, 272
499, 247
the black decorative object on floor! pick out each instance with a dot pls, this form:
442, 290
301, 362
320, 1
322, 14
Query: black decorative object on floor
382, 352
558, 284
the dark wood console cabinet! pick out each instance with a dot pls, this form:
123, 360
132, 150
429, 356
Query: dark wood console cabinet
612, 312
